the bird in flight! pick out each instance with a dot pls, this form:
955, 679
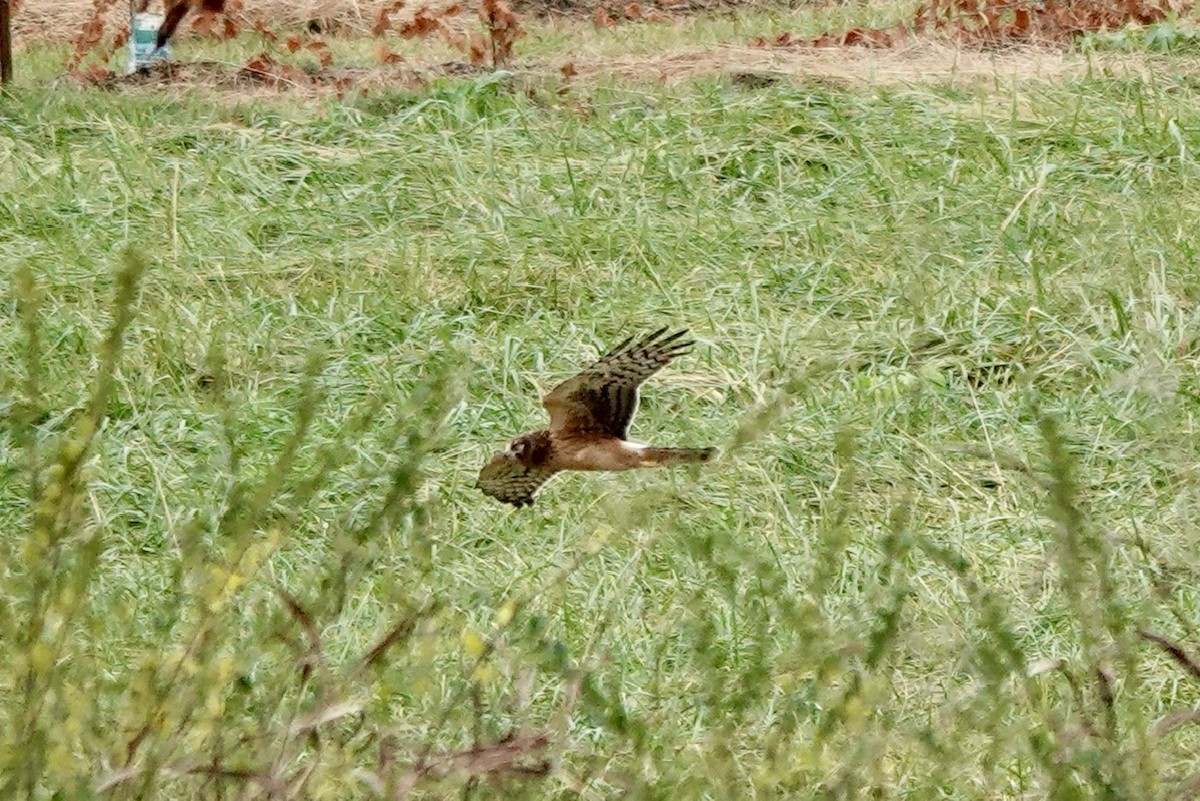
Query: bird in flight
590, 415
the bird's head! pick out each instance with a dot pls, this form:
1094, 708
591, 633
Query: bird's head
530, 448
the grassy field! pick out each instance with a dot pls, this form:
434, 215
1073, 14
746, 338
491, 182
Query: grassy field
255, 349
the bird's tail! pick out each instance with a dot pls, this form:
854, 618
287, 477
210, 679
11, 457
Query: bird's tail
669, 456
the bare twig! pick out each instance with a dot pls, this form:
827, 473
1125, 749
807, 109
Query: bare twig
1174, 650
488, 760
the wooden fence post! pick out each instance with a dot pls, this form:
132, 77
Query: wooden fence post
6, 68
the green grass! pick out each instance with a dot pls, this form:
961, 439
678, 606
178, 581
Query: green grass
948, 341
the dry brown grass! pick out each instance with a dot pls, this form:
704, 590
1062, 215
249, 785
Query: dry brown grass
59, 20
921, 63
916, 63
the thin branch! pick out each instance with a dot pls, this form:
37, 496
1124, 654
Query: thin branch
1174, 650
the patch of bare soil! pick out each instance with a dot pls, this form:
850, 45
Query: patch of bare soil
920, 63
264, 75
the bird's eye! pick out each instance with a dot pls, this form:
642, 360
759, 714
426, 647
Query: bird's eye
517, 447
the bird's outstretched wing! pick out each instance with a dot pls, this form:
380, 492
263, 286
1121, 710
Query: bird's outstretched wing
512, 482
603, 397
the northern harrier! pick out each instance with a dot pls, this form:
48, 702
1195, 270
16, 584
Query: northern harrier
589, 421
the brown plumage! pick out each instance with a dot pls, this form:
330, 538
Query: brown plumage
590, 415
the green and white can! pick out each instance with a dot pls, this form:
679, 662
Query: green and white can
143, 33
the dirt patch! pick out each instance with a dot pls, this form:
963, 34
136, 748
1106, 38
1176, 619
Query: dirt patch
922, 63
261, 76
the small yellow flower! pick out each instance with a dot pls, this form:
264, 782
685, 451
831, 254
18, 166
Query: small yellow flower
473, 643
